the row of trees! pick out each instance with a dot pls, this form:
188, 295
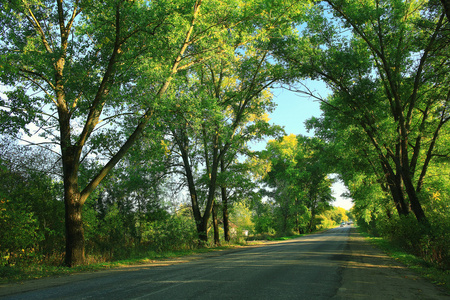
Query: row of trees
181, 88
95, 76
386, 63
135, 212
296, 183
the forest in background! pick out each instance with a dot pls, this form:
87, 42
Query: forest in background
145, 112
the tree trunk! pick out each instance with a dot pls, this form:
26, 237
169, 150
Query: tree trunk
216, 225
416, 207
312, 221
72, 196
182, 145
394, 183
202, 230
226, 217
74, 234
203, 234
406, 174
446, 5
73, 220
297, 216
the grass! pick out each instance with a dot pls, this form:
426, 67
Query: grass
423, 268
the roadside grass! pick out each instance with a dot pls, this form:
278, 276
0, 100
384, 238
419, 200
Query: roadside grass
425, 269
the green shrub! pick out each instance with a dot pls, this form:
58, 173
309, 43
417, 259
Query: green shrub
432, 244
19, 234
173, 233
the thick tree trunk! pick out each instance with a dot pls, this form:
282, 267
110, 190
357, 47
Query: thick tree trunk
312, 221
74, 232
416, 207
73, 209
394, 182
202, 230
407, 175
446, 5
181, 141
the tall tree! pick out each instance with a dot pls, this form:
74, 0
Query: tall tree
224, 108
84, 68
385, 63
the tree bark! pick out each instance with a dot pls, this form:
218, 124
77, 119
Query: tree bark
73, 210
216, 225
416, 207
74, 230
394, 183
225, 213
446, 5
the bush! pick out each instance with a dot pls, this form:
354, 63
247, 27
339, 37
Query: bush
19, 234
173, 233
432, 244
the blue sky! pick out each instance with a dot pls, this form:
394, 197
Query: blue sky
291, 112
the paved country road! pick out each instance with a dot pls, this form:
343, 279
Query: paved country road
336, 264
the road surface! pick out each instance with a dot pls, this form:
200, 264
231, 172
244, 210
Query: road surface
336, 264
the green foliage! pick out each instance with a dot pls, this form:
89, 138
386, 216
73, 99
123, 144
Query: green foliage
263, 217
30, 227
19, 234
335, 216
176, 232
431, 244
194, 82
111, 234
387, 106
297, 183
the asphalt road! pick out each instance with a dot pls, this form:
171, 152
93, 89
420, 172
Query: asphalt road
336, 264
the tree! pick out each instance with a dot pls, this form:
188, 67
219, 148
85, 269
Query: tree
297, 181
221, 112
389, 85
81, 69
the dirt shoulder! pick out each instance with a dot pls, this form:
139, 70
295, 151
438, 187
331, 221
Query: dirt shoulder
368, 273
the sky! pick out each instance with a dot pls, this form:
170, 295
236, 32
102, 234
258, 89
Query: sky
291, 112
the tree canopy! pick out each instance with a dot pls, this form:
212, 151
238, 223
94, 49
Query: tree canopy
173, 92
